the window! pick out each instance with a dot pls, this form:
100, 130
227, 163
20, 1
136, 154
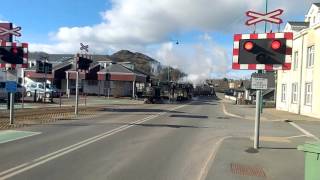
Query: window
308, 94
294, 93
310, 57
295, 60
283, 92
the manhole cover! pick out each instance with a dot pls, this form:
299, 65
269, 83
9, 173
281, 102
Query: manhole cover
245, 170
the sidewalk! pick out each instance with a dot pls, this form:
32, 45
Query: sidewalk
235, 160
269, 114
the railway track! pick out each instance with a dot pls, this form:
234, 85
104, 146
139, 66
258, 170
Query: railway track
25, 117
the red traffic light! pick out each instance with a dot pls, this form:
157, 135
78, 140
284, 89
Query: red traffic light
248, 45
275, 45
14, 50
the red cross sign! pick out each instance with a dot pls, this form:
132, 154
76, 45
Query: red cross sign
272, 17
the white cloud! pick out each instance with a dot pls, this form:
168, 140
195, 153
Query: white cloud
137, 24
199, 60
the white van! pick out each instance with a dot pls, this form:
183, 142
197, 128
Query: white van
39, 87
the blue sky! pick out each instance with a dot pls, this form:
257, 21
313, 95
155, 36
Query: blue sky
204, 28
40, 17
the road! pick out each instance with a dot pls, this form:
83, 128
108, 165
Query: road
136, 142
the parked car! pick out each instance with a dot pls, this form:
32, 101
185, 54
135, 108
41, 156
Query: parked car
38, 87
4, 94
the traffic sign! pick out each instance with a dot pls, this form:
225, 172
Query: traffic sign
84, 47
259, 83
269, 17
14, 31
11, 86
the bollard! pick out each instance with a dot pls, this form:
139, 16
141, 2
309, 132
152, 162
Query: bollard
60, 102
51, 98
22, 105
35, 96
85, 100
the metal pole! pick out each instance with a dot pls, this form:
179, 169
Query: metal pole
22, 105
133, 89
168, 74
11, 108
257, 121
68, 91
77, 93
45, 82
265, 24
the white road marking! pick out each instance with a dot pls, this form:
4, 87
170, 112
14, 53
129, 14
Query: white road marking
307, 133
46, 158
229, 114
204, 171
19, 137
292, 137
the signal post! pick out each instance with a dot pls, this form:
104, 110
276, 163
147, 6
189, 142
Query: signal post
262, 52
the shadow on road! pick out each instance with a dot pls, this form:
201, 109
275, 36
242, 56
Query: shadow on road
140, 110
189, 116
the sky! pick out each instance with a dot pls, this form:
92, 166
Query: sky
204, 28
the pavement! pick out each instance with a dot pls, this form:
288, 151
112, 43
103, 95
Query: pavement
268, 114
191, 141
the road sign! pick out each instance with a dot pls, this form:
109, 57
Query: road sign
84, 47
11, 86
6, 37
269, 17
269, 51
259, 83
11, 31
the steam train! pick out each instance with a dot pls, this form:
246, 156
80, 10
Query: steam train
172, 91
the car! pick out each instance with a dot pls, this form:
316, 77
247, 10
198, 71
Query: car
38, 87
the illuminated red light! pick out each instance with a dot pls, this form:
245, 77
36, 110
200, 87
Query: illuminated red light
15, 50
248, 45
275, 45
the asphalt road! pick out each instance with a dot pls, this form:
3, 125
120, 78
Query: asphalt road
136, 142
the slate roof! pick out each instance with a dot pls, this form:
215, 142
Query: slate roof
298, 26
117, 68
317, 4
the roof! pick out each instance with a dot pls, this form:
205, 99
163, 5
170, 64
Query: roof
117, 68
298, 26
316, 4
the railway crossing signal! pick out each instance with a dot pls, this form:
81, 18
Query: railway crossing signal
13, 54
269, 51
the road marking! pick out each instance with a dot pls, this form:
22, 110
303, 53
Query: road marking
46, 158
273, 139
292, 137
229, 114
307, 133
12, 135
204, 171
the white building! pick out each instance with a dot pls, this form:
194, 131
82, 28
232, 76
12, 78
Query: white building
298, 90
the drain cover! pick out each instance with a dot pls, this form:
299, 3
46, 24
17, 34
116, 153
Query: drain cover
245, 170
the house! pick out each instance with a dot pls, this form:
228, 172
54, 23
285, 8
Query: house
298, 90
119, 80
